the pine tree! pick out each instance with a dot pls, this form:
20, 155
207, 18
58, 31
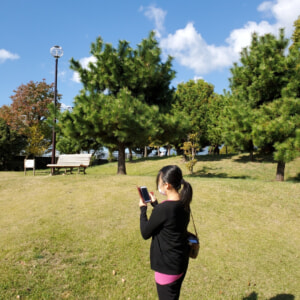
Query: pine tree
123, 92
216, 106
296, 35
192, 102
264, 100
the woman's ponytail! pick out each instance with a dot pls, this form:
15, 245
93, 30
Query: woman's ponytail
186, 194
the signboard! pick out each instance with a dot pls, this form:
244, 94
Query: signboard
29, 164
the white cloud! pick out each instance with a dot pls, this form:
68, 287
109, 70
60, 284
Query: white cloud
4, 55
266, 8
84, 62
158, 16
189, 48
285, 12
65, 107
196, 78
241, 38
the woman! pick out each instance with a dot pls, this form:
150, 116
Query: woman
167, 225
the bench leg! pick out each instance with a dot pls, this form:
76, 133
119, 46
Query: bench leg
53, 170
66, 170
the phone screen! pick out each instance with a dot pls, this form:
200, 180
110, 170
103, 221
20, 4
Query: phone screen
145, 194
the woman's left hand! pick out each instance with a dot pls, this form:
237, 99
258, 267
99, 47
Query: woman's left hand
153, 198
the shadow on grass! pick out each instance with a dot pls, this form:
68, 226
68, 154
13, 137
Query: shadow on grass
57, 173
283, 297
154, 158
38, 172
294, 179
43, 172
257, 158
206, 172
212, 157
254, 296
202, 158
241, 158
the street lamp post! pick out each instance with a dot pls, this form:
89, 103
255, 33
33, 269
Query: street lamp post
56, 52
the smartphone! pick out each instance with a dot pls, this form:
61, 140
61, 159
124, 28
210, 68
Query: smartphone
144, 194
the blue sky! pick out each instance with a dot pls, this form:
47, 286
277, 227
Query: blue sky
204, 37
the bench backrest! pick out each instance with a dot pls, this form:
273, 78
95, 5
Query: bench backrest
74, 159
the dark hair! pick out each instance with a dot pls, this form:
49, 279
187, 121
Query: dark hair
172, 174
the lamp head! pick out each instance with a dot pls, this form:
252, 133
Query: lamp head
56, 51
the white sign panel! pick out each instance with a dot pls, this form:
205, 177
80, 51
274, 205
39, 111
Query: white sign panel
29, 163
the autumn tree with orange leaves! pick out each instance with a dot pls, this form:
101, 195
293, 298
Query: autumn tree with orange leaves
28, 114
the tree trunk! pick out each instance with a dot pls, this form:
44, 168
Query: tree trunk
251, 149
158, 151
146, 152
169, 150
110, 155
130, 154
280, 171
193, 154
121, 160
216, 149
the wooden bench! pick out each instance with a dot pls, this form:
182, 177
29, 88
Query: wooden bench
70, 161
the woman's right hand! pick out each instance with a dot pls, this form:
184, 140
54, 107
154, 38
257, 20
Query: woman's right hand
142, 203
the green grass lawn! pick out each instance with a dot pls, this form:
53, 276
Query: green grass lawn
77, 236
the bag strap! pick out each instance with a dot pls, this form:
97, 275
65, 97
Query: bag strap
194, 225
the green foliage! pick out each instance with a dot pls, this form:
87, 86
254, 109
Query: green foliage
263, 107
192, 100
67, 145
37, 144
11, 143
237, 120
263, 72
228, 150
118, 121
173, 128
140, 71
296, 35
124, 91
217, 104
190, 148
30, 112
276, 124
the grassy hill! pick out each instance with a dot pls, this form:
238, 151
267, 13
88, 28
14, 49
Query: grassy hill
77, 236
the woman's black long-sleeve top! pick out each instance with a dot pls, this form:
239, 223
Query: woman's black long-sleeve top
167, 225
